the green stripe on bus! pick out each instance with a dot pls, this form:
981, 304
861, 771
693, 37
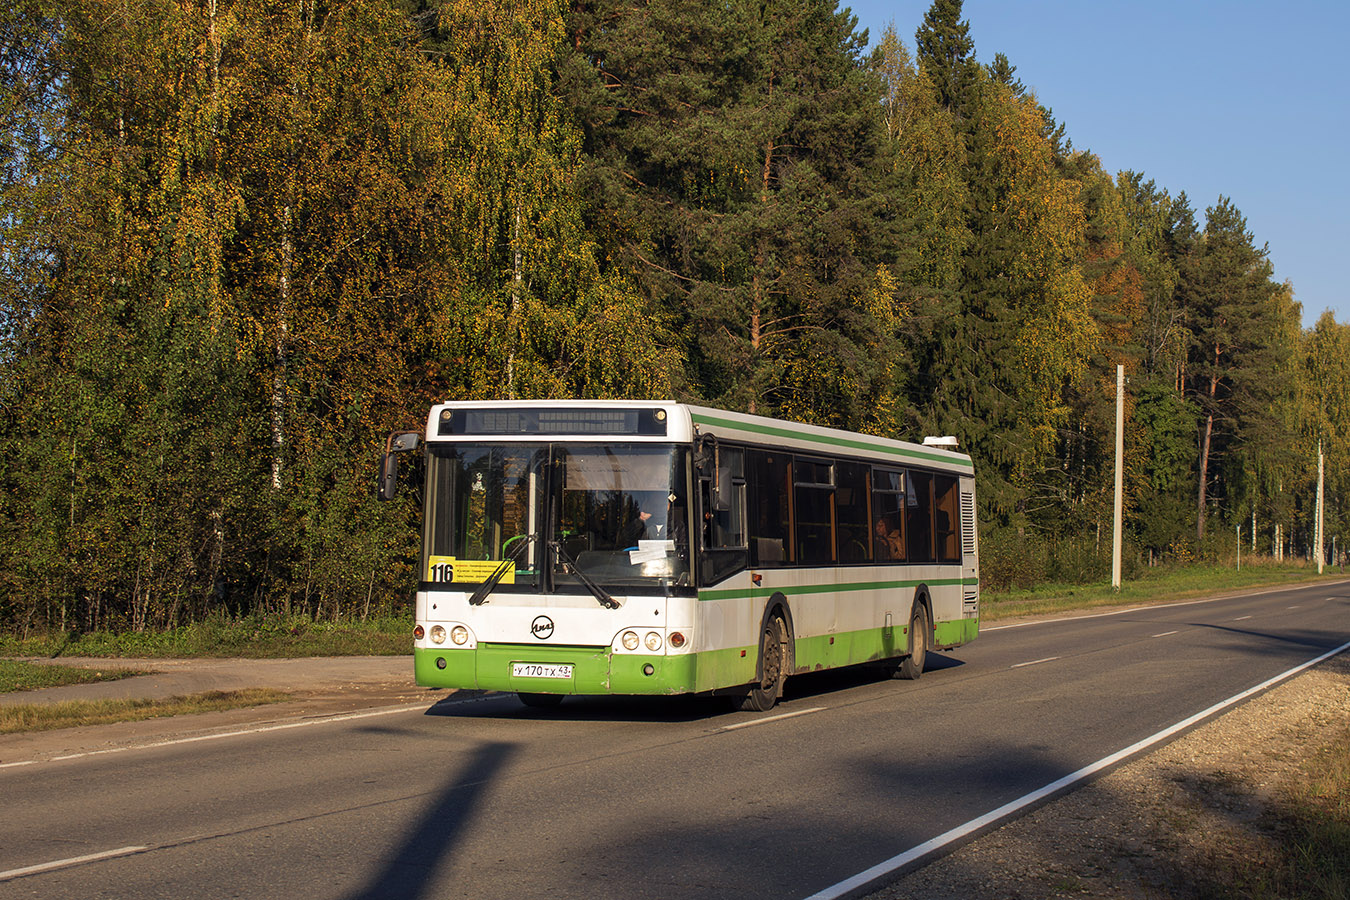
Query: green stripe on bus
797, 590
869, 446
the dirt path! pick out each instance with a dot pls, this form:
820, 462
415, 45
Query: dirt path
1178, 824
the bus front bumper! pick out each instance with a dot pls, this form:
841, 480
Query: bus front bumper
594, 670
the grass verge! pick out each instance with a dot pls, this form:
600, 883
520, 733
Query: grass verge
251, 637
73, 713
1164, 585
19, 675
1316, 861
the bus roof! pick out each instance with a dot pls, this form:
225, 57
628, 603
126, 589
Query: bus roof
666, 421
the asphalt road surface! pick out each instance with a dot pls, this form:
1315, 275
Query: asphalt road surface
610, 798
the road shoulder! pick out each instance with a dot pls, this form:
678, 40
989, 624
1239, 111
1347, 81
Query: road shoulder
1180, 822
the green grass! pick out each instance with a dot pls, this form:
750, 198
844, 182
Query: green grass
1312, 859
17, 675
253, 637
1156, 586
1319, 855
74, 713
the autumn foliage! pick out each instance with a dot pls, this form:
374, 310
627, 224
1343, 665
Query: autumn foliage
242, 241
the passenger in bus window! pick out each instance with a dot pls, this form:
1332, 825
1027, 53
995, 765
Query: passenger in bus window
890, 544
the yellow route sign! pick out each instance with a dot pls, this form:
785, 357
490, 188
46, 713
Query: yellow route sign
445, 569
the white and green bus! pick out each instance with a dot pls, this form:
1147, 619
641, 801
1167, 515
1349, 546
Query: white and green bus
624, 547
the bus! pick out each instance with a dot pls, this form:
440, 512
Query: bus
658, 548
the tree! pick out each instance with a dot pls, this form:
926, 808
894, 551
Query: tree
1325, 363
1236, 353
946, 54
735, 178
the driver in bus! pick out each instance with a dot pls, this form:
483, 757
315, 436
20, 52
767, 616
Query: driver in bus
652, 522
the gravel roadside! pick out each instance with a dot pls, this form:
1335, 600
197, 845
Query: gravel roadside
1177, 824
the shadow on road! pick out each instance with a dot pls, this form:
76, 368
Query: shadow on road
656, 709
430, 843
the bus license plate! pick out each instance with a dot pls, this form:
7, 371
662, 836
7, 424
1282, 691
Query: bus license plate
541, 670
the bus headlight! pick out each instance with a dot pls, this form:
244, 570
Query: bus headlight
437, 634
653, 641
459, 634
630, 640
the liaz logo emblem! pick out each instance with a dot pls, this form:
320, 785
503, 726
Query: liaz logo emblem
542, 627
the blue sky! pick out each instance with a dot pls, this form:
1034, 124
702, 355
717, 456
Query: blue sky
1248, 100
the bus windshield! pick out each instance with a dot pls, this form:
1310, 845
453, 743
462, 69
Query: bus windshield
566, 514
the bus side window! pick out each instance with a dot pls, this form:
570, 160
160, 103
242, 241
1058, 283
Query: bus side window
725, 546
851, 506
919, 515
813, 518
946, 518
888, 515
769, 478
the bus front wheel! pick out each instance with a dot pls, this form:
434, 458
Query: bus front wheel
773, 668
911, 667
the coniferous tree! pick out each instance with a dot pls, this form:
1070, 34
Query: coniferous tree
946, 53
734, 175
1233, 372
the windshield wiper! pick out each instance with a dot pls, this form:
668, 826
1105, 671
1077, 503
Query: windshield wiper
606, 600
480, 593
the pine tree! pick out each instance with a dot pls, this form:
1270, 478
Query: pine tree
946, 53
735, 179
1236, 355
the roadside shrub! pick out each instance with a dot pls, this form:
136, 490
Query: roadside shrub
1012, 561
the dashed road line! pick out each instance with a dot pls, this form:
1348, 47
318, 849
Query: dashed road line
72, 861
1034, 662
858, 885
767, 719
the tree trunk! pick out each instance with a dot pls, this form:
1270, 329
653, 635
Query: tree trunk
1204, 464
761, 254
281, 350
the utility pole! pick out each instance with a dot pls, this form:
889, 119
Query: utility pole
1320, 553
1120, 476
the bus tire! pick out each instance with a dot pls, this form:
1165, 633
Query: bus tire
773, 663
540, 701
911, 667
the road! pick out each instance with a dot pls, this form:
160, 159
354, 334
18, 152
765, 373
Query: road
627, 799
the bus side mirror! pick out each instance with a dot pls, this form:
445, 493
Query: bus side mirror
399, 442
389, 477
723, 495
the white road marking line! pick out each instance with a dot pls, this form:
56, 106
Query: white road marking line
1135, 609
767, 719
854, 886
73, 861
1033, 662
1166, 633
262, 729
1241, 618
320, 720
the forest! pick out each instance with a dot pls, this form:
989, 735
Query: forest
242, 241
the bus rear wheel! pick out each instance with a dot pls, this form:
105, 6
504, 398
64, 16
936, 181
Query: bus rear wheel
540, 701
911, 667
773, 668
